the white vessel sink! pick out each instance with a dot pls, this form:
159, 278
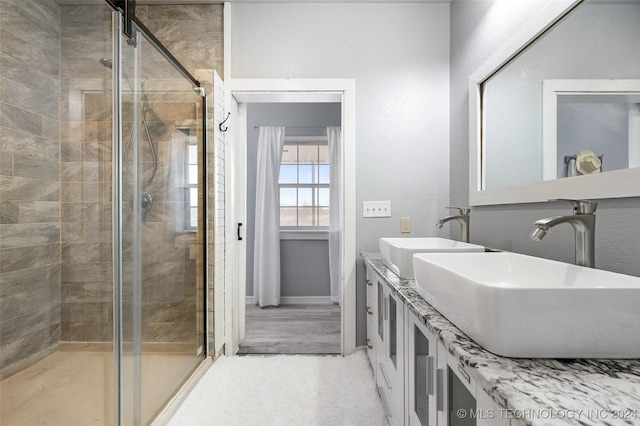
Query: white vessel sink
397, 253
527, 307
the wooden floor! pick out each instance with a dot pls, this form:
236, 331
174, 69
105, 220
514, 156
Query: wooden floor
292, 329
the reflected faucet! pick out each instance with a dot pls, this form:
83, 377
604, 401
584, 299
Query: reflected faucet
462, 218
583, 222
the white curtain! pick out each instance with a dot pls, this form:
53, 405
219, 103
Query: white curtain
335, 216
266, 265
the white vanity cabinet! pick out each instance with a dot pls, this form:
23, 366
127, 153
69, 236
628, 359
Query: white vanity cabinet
419, 381
390, 354
440, 390
372, 318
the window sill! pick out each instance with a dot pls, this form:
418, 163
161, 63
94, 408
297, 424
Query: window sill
291, 234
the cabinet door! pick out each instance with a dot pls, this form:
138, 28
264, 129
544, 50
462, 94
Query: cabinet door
371, 317
421, 357
382, 377
395, 353
379, 323
381, 308
390, 352
457, 401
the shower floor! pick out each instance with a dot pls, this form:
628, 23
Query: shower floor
77, 388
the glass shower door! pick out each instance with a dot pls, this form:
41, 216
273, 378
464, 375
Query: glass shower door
101, 271
56, 289
162, 230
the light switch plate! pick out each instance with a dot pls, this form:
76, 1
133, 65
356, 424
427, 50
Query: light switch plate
376, 209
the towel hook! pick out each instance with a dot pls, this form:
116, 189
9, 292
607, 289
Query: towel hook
222, 122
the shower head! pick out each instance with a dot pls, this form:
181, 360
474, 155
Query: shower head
106, 62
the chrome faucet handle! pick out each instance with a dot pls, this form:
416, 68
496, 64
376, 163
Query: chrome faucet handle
461, 210
581, 206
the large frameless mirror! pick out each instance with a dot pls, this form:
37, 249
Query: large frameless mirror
555, 113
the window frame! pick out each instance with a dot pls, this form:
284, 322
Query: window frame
188, 186
313, 186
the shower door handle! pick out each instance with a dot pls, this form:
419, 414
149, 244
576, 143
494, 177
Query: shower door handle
239, 226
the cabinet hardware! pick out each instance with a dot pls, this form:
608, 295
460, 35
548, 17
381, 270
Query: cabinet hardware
386, 308
464, 374
385, 404
239, 227
369, 345
440, 386
369, 282
384, 375
369, 311
430, 371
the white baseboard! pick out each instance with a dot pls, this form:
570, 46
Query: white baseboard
299, 300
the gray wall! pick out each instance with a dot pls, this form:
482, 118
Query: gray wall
478, 29
304, 268
304, 263
399, 56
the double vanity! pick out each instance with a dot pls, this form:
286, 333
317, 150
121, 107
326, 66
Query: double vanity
460, 335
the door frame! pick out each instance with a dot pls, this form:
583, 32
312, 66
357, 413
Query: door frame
298, 90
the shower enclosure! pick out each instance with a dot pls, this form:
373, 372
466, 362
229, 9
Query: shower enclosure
101, 218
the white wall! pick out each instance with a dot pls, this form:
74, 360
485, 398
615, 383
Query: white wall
399, 56
478, 29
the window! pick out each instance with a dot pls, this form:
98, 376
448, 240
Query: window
192, 185
304, 186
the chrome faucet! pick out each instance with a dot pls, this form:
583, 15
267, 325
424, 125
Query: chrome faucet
462, 218
583, 222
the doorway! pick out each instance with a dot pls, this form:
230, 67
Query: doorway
302, 297
305, 320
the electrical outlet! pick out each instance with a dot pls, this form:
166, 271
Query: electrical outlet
405, 225
376, 209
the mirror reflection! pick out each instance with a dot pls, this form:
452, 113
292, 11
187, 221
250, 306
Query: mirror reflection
569, 104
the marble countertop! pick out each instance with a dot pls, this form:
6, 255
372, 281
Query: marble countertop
534, 391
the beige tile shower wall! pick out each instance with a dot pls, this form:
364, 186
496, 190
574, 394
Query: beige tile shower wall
169, 270
29, 182
195, 36
192, 33
85, 173
169, 264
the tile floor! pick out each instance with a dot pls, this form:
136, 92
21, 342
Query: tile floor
77, 388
